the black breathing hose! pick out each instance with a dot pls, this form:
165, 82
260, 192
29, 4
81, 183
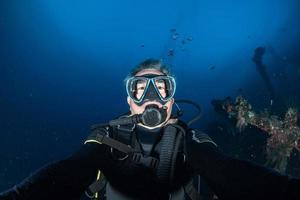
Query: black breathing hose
197, 116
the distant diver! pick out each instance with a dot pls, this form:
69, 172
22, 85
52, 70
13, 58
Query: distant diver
150, 154
261, 68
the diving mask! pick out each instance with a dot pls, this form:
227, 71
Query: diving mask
151, 87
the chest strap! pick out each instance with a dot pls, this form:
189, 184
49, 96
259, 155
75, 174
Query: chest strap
97, 186
100, 136
191, 191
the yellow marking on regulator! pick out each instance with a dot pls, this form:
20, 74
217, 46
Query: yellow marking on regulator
98, 177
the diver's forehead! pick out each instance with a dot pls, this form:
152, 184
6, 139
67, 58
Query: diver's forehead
149, 71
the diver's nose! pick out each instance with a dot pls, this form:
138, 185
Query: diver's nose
151, 94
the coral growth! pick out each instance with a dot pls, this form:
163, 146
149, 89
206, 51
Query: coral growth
284, 133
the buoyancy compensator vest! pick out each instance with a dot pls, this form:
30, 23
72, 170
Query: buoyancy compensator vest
124, 144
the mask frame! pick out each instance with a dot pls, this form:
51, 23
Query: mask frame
150, 82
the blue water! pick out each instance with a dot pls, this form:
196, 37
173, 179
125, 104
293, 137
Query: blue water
62, 64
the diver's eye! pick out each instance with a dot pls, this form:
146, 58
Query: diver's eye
141, 85
162, 90
141, 88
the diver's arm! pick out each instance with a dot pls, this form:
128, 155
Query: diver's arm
65, 179
237, 179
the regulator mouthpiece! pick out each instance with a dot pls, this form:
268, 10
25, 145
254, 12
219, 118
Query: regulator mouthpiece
153, 115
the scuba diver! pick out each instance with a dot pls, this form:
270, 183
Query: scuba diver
149, 153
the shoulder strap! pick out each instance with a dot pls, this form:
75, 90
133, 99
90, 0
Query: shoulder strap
191, 191
100, 135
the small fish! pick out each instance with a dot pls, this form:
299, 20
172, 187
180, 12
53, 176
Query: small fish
175, 36
212, 67
171, 52
189, 39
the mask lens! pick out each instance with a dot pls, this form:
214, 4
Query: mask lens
136, 87
161, 86
165, 87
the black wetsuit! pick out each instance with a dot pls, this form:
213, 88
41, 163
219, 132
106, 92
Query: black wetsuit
229, 178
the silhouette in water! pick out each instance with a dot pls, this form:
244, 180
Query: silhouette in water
261, 68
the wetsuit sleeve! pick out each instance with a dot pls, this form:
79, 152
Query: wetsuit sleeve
65, 179
237, 179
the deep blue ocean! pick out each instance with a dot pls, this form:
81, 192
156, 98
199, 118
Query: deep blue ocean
62, 66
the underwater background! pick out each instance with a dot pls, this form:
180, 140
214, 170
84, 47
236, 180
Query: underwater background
62, 66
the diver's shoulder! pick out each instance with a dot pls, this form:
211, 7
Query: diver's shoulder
194, 134
199, 136
97, 132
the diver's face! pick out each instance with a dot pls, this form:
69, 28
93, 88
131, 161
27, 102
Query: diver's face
136, 109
